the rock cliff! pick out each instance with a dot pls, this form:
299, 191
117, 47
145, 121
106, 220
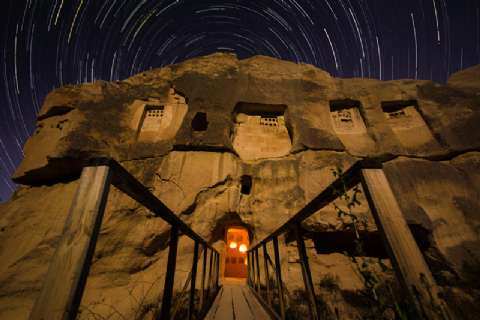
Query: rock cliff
191, 131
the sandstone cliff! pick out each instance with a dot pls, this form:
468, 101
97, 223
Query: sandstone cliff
191, 131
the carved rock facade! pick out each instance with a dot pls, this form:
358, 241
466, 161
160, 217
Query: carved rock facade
227, 142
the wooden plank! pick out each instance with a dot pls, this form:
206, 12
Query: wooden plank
266, 307
66, 277
170, 275
306, 274
410, 266
278, 276
236, 302
191, 309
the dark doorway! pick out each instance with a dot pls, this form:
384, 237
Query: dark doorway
199, 122
246, 184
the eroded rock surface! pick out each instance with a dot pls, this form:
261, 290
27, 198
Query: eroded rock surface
225, 142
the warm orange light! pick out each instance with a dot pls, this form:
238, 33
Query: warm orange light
232, 245
242, 248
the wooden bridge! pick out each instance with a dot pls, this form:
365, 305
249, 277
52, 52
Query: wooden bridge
259, 297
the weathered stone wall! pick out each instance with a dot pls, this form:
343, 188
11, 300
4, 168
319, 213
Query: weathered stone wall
427, 134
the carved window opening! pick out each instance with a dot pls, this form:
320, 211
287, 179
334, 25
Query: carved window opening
269, 121
407, 123
152, 119
246, 184
199, 122
260, 131
401, 109
346, 116
396, 114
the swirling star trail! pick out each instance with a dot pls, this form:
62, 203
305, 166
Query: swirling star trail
47, 44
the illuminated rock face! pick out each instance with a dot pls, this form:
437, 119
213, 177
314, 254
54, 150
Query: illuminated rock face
157, 120
349, 125
261, 137
407, 124
260, 132
228, 143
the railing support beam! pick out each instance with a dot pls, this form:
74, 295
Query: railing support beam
257, 264
410, 266
307, 276
254, 275
267, 275
191, 309
67, 274
278, 275
209, 281
218, 270
204, 273
170, 275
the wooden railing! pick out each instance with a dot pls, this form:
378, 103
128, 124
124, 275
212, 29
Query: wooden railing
411, 270
67, 274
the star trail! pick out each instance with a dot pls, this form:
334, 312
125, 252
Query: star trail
48, 44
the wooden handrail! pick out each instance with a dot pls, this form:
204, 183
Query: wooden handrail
350, 178
63, 286
128, 184
410, 267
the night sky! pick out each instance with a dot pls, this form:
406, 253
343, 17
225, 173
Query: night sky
49, 43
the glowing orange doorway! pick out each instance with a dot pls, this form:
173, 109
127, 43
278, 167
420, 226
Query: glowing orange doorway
236, 253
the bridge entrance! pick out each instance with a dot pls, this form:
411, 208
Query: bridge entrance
236, 252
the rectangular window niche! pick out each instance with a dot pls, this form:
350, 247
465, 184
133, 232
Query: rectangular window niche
346, 117
407, 123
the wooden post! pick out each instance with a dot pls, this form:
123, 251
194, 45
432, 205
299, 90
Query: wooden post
267, 275
67, 274
209, 282
170, 275
258, 270
252, 270
410, 266
214, 266
218, 271
191, 309
278, 275
254, 277
214, 279
307, 276
204, 273
249, 273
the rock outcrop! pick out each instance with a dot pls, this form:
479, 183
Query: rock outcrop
191, 131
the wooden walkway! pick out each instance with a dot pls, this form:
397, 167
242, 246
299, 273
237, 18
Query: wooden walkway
236, 301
